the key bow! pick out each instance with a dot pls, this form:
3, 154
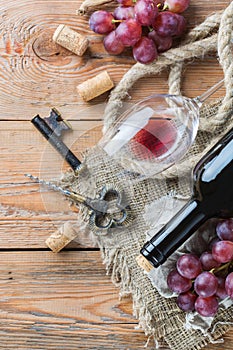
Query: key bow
117, 214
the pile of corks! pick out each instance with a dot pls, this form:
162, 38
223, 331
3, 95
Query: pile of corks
78, 44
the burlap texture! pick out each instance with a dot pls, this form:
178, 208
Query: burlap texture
157, 315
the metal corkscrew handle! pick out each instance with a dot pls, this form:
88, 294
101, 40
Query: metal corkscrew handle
100, 206
104, 214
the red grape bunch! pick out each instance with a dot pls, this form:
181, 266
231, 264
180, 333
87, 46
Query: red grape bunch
148, 26
201, 282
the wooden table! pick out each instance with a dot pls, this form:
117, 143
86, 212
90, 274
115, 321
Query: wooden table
62, 301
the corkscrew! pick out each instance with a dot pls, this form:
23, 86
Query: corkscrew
107, 211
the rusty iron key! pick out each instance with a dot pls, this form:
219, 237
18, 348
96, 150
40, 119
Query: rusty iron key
104, 214
57, 123
56, 142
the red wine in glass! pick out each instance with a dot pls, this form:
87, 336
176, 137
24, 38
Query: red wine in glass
155, 133
154, 140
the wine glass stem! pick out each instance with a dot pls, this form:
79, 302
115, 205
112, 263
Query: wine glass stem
200, 99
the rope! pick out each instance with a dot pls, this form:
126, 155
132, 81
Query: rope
226, 60
201, 31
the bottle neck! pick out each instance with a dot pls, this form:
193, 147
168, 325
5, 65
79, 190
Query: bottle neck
175, 233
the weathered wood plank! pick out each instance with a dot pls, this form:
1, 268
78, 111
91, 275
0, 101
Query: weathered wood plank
62, 301
31, 231
49, 92
24, 150
49, 284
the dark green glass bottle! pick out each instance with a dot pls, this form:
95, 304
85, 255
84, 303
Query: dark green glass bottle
212, 197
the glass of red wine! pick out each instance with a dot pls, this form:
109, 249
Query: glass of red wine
155, 133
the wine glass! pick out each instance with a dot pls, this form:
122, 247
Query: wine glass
155, 133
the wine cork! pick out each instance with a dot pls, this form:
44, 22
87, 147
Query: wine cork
96, 86
144, 263
59, 239
70, 39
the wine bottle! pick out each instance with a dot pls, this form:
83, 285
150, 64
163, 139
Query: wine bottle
212, 197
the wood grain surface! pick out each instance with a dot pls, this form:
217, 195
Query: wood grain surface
62, 301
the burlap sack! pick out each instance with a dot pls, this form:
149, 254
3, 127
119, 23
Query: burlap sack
157, 315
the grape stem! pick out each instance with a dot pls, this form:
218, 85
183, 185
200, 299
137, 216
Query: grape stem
162, 7
117, 20
223, 267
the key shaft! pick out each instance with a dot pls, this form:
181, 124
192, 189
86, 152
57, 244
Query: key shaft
56, 142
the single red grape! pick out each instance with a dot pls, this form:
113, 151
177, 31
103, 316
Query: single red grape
207, 307
144, 51
145, 12
165, 24
123, 13
224, 230
177, 6
189, 266
112, 44
162, 43
178, 283
129, 32
101, 22
222, 251
126, 2
229, 285
212, 242
206, 284
169, 24
181, 26
186, 301
208, 262
221, 291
